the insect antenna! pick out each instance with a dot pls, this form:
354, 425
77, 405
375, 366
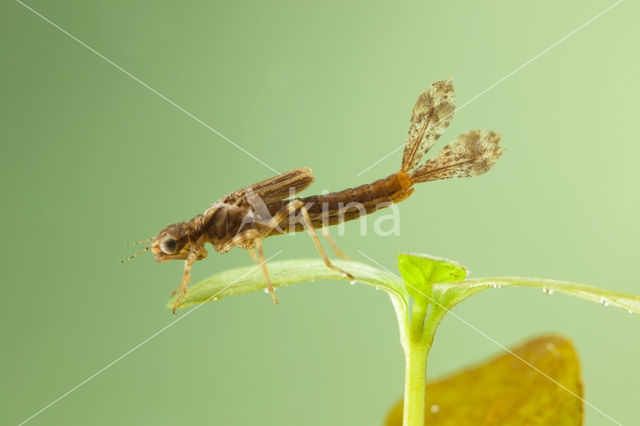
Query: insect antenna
135, 243
131, 257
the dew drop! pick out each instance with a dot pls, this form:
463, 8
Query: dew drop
266, 290
629, 311
435, 408
377, 288
604, 302
215, 299
547, 290
352, 282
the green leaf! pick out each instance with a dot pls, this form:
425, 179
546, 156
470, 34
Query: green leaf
421, 271
453, 293
442, 282
506, 391
250, 279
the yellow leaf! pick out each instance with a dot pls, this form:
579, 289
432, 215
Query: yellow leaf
506, 391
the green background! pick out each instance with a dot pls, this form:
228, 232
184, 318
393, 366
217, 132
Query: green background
91, 160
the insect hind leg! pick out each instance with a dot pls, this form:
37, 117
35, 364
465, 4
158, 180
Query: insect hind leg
273, 223
333, 245
306, 221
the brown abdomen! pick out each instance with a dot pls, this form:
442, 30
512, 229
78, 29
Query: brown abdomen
350, 204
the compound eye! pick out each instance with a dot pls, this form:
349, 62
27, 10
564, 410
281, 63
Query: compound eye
169, 245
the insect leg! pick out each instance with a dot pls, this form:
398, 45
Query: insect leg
263, 264
186, 278
253, 234
298, 205
335, 248
292, 207
252, 252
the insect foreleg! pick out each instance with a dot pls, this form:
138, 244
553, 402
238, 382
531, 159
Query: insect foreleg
186, 278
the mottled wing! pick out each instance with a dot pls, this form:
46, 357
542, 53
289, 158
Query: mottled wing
431, 115
472, 154
273, 189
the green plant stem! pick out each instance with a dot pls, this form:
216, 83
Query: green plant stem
423, 328
415, 384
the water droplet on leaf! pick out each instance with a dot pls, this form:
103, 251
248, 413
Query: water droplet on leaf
547, 290
435, 408
604, 302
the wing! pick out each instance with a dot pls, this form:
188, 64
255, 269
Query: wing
272, 189
431, 115
471, 154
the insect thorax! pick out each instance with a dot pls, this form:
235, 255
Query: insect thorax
222, 222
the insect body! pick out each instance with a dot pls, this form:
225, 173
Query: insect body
246, 217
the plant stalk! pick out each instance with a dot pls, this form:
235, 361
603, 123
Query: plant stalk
415, 384
423, 329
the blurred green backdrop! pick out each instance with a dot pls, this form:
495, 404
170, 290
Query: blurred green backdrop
91, 160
